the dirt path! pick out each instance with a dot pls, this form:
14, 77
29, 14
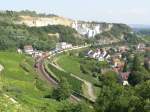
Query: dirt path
90, 91
41, 70
48, 78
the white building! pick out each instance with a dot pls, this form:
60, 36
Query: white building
101, 55
141, 46
63, 45
125, 83
28, 49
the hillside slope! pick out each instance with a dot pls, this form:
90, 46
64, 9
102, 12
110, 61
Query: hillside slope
44, 31
100, 31
20, 87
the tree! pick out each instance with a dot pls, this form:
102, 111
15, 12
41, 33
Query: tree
125, 69
108, 78
76, 107
63, 91
135, 77
135, 104
112, 98
136, 63
138, 73
144, 90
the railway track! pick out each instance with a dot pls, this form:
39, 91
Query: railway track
47, 77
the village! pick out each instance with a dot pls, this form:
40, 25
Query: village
113, 56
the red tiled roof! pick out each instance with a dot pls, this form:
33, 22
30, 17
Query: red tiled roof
125, 75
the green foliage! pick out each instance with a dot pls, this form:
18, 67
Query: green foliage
108, 78
63, 91
135, 78
13, 36
74, 64
132, 38
136, 63
115, 98
116, 32
138, 72
23, 86
75, 83
144, 90
79, 107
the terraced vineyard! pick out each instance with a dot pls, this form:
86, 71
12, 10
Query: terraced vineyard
20, 82
75, 83
72, 65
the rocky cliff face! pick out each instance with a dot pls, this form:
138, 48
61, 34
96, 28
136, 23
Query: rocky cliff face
44, 21
90, 29
101, 32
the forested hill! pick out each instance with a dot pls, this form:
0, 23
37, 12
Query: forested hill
42, 38
15, 35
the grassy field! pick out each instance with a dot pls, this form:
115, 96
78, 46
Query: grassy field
20, 81
72, 64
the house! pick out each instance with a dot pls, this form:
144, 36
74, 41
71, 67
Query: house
108, 56
124, 78
90, 52
140, 46
124, 75
99, 54
28, 49
63, 45
125, 83
117, 62
37, 54
117, 65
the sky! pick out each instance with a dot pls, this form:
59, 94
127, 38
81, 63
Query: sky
118, 11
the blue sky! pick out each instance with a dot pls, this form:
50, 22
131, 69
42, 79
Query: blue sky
124, 11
